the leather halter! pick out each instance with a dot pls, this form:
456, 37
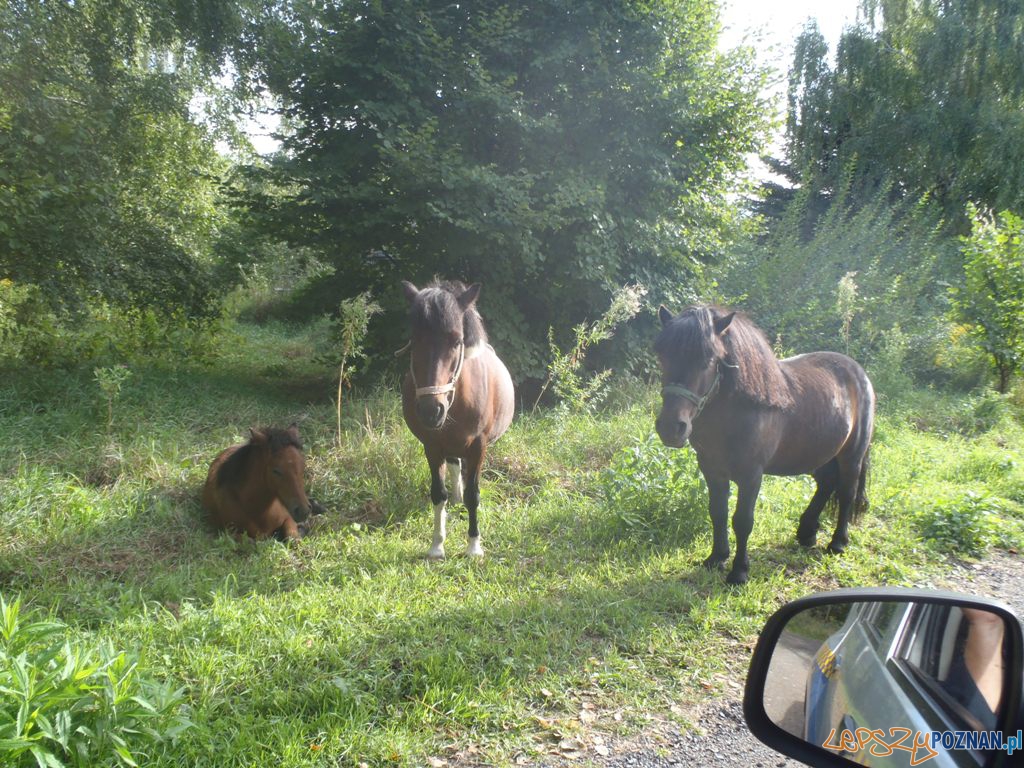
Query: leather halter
698, 400
442, 389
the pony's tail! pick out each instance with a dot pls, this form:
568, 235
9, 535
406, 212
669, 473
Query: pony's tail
860, 503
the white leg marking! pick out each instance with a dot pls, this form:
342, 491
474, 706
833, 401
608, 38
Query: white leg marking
474, 549
440, 533
455, 468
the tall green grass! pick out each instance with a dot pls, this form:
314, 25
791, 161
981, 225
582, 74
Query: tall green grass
589, 612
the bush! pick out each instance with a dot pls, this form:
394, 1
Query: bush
656, 491
64, 705
968, 525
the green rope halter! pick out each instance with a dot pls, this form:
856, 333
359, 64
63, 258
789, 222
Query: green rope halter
681, 391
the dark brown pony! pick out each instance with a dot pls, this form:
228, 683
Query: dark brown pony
748, 414
258, 487
457, 397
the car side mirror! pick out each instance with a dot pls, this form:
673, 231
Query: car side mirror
889, 677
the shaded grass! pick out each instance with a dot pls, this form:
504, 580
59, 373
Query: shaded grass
349, 647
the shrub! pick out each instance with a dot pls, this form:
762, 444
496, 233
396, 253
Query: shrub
64, 705
575, 390
991, 300
968, 525
656, 490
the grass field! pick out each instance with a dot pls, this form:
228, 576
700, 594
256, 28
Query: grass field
589, 613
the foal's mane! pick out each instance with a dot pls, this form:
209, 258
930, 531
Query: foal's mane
437, 309
234, 470
751, 369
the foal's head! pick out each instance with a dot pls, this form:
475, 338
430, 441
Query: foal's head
283, 467
444, 323
692, 352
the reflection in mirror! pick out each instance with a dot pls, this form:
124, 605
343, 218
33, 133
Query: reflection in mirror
855, 678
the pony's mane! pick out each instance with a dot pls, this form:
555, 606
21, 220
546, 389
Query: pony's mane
752, 368
233, 471
436, 309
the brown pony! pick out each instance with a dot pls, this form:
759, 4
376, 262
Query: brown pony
748, 414
257, 487
457, 397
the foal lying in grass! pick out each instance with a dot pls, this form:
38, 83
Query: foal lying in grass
259, 487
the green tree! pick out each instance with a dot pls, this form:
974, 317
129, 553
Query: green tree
991, 301
550, 150
107, 181
925, 96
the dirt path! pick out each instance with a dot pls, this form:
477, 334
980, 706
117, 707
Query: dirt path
725, 740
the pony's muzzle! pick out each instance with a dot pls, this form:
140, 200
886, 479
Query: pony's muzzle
673, 431
300, 512
431, 412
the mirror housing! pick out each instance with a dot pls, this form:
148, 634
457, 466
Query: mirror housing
898, 604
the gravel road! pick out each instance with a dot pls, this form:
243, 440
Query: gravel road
725, 740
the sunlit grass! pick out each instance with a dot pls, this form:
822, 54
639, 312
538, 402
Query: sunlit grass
350, 647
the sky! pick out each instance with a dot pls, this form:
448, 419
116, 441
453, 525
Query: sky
771, 26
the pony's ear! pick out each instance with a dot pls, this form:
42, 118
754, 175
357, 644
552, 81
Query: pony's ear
257, 436
293, 429
664, 315
410, 290
469, 296
722, 323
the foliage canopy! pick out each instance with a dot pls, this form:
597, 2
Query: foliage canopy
927, 95
106, 180
551, 151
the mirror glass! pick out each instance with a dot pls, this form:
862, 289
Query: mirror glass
893, 683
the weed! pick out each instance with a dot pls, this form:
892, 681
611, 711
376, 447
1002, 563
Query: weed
654, 490
110, 380
67, 705
966, 525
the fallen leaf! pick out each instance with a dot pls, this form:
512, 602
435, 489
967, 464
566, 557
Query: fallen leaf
437, 762
602, 750
546, 693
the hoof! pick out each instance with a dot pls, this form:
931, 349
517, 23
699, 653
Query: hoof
836, 548
715, 562
737, 577
806, 541
474, 549
436, 553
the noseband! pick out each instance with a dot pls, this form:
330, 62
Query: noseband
698, 400
443, 389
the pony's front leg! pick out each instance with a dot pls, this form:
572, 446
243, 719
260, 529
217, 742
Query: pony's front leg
718, 495
439, 498
742, 525
474, 464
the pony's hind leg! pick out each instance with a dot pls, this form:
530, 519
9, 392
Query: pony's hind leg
439, 498
846, 495
826, 477
455, 467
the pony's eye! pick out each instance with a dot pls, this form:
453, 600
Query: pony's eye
277, 472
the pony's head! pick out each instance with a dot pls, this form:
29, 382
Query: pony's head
444, 322
284, 467
692, 353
